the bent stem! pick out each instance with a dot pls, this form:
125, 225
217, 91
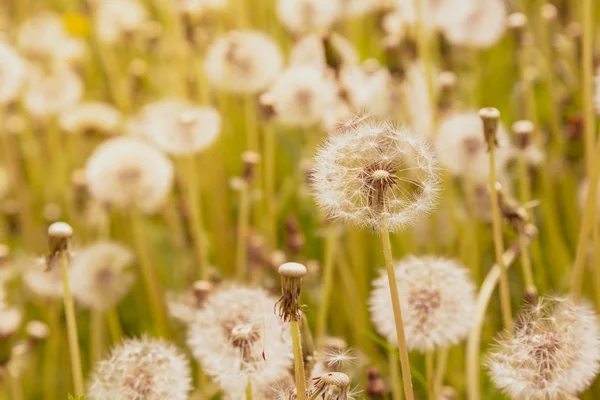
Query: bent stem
402, 349
298, 360
483, 299
71, 328
499, 243
327, 286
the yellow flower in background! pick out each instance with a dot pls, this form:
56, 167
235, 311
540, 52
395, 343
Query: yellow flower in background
76, 24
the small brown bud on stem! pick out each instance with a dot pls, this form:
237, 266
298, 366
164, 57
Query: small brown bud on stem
289, 304
490, 117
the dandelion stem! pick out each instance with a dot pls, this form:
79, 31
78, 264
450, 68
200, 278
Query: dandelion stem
298, 360
114, 325
16, 391
96, 335
402, 349
269, 177
242, 233
71, 328
148, 273
499, 241
196, 221
394, 375
327, 285
525, 196
50, 353
249, 390
429, 368
440, 369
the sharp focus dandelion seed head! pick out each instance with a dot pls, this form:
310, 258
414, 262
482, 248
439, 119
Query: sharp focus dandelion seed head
370, 170
117, 20
127, 172
554, 350
100, 276
149, 369
237, 337
462, 149
438, 303
307, 16
243, 62
302, 96
177, 127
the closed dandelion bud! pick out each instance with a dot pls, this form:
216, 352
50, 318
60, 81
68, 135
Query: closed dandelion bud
375, 385
59, 242
370, 171
80, 190
149, 369
490, 117
553, 351
518, 23
549, 12
438, 303
250, 161
288, 306
523, 133
446, 82
201, 290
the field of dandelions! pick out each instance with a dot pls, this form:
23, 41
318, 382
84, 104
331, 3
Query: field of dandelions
299, 199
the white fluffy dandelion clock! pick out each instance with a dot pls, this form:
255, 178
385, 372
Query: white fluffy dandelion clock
239, 339
149, 369
177, 127
12, 73
553, 353
438, 298
115, 20
125, 172
243, 62
306, 16
371, 171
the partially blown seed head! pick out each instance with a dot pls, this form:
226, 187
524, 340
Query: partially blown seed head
149, 369
371, 171
554, 350
438, 303
306, 16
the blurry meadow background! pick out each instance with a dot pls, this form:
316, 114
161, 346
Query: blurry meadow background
235, 199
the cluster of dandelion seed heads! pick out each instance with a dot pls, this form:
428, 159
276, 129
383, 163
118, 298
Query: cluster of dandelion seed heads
99, 275
238, 338
554, 350
149, 369
125, 172
369, 171
438, 303
243, 62
305, 16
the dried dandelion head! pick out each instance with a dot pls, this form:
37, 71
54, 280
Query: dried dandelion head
243, 62
553, 351
306, 16
99, 275
289, 303
371, 171
238, 338
331, 386
149, 369
482, 27
183, 306
438, 303
301, 96
177, 127
125, 171
50, 94
90, 117
462, 146
116, 20
12, 73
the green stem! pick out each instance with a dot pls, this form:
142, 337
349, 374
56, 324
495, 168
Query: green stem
298, 361
96, 335
249, 390
402, 348
327, 285
394, 376
114, 325
51, 354
242, 233
440, 369
429, 368
71, 328
196, 220
269, 178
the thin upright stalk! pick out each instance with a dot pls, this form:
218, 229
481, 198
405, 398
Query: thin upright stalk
394, 376
298, 360
114, 325
51, 354
269, 178
243, 229
499, 244
71, 328
194, 206
16, 390
402, 348
429, 368
327, 285
440, 369
525, 256
249, 390
96, 335
587, 71
148, 272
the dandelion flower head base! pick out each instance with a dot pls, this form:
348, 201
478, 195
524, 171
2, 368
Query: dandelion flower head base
369, 171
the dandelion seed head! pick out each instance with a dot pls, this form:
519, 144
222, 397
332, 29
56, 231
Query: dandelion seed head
13, 72
420, 109
243, 62
302, 95
48, 94
462, 149
371, 170
554, 350
41, 282
126, 171
92, 116
11, 319
238, 338
483, 27
369, 88
99, 275
311, 50
117, 20
144, 368
307, 16
177, 127
438, 303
